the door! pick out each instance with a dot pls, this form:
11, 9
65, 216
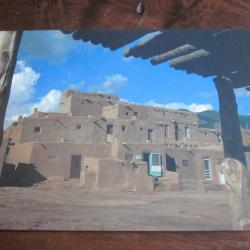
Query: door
155, 164
222, 178
170, 164
75, 170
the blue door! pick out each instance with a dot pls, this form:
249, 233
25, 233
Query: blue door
155, 164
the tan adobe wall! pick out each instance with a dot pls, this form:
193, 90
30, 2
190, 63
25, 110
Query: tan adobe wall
148, 113
14, 131
193, 172
20, 153
105, 175
54, 159
85, 104
64, 130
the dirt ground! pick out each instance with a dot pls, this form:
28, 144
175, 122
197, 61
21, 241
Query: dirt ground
45, 207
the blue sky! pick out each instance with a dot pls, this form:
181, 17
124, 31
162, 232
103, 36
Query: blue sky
50, 62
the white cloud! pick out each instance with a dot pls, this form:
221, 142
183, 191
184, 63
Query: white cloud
194, 107
242, 92
127, 59
77, 86
111, 84
23, 92
23, 84
207, 94
51, 45
49, 102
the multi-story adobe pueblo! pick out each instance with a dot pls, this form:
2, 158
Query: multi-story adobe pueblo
112, 145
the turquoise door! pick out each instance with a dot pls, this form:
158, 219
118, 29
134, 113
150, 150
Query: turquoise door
155, 164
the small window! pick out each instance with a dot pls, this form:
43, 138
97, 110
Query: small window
110, 129
185, 163
187, 133
150, 134
219, 161
78, 126
126, 113
123, 128
52, 159
166, 131
136, 114
138, 157
37, 129
141, 128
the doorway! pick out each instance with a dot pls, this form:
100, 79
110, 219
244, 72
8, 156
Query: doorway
222, 178
75, 169
170, 164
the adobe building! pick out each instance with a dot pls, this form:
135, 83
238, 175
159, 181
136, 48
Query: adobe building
107, 145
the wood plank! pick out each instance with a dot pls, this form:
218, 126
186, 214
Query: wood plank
190, 57
61, 14
172, 54
139, 241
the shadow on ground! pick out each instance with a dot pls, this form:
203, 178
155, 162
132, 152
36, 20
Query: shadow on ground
24, 175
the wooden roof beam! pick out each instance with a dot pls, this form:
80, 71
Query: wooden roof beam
172, 54
189, 57
133, 51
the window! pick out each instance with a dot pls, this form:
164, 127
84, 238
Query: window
185, 163
156, 159
138, 157
123, 128
110, 129
37, 129
150, 134
141, 128
78, 126
187, 133
219, 161
166, 131
207, 168
135, 115
176, 131
52, 159
126, 113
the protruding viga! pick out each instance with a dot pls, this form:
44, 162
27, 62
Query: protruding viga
9, 44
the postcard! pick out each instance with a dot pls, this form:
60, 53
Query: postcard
125, 130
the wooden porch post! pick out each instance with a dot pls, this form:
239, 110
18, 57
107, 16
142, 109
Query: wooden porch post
236, 171
9, 44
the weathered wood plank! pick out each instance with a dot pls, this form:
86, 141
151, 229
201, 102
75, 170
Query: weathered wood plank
62, 14
172, 54
9, 43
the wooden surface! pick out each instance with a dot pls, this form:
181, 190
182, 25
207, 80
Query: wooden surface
120, 241
73, 14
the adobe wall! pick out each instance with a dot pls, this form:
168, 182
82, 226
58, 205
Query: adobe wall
64, 130
107, 175
54, 159
20, 153
149, 113
85, 104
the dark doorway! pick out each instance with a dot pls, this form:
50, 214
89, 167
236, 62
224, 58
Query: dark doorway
170, 164
75, 169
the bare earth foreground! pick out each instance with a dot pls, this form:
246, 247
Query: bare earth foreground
47, 207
